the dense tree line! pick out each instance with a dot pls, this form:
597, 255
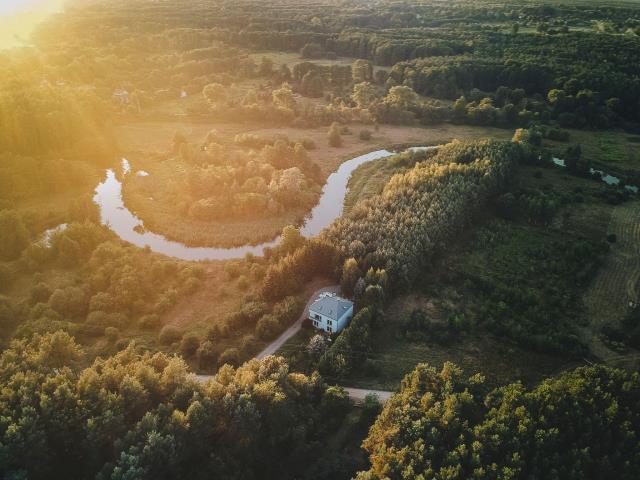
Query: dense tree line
459, 51
39, 113
595, 90
420, 210
141, 415
112, 285
581, 425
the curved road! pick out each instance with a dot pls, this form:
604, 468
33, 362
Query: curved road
356, 394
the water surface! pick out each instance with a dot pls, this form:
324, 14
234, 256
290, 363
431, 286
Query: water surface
114, 213
605, 177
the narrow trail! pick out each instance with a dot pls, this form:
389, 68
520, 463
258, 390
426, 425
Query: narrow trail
617, 284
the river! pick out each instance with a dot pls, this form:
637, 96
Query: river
114, 213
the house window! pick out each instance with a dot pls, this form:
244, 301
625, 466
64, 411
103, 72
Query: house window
316, 316
329, 329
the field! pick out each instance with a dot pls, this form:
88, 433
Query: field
610, 150
292, 58
616, 287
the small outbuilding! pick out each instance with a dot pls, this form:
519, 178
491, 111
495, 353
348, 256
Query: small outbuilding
330, 313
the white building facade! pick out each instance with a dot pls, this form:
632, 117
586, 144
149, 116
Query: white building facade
331, 313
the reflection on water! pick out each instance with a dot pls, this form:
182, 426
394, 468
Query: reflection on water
129, 227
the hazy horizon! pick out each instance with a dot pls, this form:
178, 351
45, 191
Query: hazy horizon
18, 19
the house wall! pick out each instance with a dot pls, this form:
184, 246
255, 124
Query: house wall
324, 321
344, 320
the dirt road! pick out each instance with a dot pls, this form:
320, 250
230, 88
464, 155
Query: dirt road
356, 394
274, 346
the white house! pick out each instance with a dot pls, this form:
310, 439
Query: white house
330, 313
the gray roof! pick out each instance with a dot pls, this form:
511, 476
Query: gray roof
332, 307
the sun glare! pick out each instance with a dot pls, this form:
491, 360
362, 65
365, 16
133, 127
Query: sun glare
18, 18
9, 7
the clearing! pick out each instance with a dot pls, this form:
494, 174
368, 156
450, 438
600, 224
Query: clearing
616, 286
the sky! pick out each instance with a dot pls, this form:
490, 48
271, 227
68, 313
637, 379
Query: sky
8, 7
18, 18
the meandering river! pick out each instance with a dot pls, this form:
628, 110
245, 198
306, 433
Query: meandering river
114, 213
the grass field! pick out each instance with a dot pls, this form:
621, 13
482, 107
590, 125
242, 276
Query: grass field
610, 150
292, 58
500, 361
617, 284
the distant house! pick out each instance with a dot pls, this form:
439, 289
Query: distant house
330, 313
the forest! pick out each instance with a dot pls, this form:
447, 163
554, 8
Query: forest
582, 424
464, 172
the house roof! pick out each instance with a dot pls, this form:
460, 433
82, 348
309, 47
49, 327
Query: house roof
332, 307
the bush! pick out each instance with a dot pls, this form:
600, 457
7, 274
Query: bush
308, 144
311, 50
230, 356
69, 302
365, 135
335, 404
14, 236
7, 316
268, 327
149, 321
104, 319
217, 330
243, 282
169, 334
102, 301
249, 344
335, 139
6, 276
288, 310
371, 367
191, 285
111, 333
232, 269
207, 355
189, 344
40, 292
98, 319
167, 300
371, 408
122, 343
